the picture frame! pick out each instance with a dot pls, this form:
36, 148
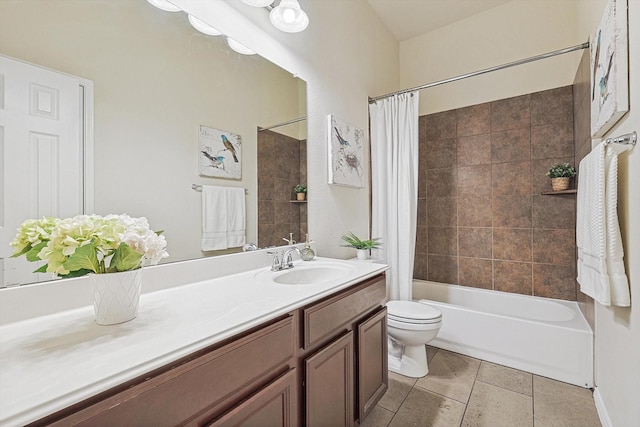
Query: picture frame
609, 71
219, 153
345, 153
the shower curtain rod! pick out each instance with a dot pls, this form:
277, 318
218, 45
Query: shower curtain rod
299, 119
486, 70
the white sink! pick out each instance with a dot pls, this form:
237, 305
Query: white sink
307, 273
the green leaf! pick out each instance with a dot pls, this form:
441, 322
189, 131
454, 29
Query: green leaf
42, 269
76, 273
125, 259
22, 252
83, 258
32, 255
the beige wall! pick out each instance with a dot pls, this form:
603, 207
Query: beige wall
156, 80
618, 329
517, 30
507, 33
344, 57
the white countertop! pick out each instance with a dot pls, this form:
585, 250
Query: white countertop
50, 362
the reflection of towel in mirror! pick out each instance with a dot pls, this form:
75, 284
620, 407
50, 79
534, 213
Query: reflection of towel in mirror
601, 272
223, 217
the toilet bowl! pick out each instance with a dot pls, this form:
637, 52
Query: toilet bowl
410, 326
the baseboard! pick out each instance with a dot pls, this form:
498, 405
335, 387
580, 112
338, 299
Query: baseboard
602, 411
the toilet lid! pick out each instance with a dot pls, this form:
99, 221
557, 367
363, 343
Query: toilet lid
412, 311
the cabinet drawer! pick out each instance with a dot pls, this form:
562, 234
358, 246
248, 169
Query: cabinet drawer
273, 406
335, 314
206, 385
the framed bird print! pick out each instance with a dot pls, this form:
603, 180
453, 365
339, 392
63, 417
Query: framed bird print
220, 153
609, 69
346, 153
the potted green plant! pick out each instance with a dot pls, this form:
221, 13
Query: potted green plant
363, 247
111, 249
560, 174
301, 191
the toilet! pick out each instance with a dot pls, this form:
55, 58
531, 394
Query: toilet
410, 326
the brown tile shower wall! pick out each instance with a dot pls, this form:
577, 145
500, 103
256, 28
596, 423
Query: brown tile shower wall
582, 132
282, 164
482, 221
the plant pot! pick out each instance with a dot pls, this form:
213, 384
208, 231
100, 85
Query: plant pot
116, 296
362, 254
301, 196
560, 184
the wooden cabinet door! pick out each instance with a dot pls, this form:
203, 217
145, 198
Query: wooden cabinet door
373, 376
273, 406
329, 385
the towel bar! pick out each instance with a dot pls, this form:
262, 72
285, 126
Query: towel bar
198, 187
627, 139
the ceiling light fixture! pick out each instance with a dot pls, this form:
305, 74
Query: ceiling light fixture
258, 3
238, 47
203, 27
165, 5
288, 17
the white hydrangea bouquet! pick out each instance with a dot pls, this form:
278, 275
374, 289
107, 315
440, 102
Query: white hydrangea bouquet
86, 244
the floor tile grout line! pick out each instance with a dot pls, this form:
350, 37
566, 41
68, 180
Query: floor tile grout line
506, 388
466, 406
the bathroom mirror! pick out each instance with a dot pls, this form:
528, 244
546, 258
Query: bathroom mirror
156, 81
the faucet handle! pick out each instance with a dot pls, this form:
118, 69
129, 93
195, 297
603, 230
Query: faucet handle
275, 264
287, 261
290, 239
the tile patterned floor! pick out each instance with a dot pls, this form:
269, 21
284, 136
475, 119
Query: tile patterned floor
468, 392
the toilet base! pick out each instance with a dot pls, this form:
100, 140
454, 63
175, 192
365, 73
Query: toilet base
412, 362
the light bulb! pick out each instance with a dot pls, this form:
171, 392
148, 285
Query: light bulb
203, 27
165, 5
288, 16
239, 47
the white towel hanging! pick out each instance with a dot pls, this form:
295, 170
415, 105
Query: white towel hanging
223, 218
601, 273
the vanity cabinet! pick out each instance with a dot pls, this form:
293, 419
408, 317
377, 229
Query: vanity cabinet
345, 355
323, 364
197, 390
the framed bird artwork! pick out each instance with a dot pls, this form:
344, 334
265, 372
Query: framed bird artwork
220, 153
346, 154
609, 71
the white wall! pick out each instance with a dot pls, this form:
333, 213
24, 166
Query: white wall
617, 330
510, 32
345, 55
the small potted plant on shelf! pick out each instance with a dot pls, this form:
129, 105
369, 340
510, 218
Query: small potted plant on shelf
560, 174
301, 191
363, 247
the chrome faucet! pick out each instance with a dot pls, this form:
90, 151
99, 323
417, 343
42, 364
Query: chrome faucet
287, 259
286, 262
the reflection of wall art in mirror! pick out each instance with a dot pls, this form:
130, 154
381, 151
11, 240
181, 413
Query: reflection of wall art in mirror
220, 153
346, 154
609, 69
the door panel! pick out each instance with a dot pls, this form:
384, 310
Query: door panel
42, 154
329, 385
373, 376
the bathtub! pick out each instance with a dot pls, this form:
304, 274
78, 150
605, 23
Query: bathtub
543, 336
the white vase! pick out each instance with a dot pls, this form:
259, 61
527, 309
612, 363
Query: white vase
363, 254
116, 296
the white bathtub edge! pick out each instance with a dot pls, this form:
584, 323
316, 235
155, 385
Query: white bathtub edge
560, 350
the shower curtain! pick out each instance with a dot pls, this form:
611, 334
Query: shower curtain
394, 175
